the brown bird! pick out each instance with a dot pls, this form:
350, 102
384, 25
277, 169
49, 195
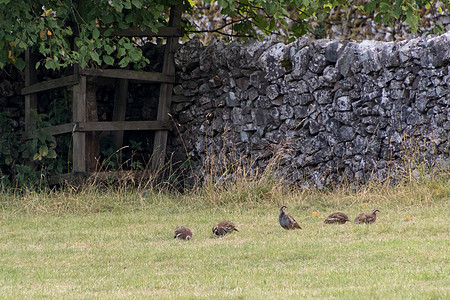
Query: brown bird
223, 228
366, 217
337, 217
183, 233
286, 220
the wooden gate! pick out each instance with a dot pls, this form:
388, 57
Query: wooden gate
84, 124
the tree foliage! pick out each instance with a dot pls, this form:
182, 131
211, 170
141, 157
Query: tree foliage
293, 18
69, 31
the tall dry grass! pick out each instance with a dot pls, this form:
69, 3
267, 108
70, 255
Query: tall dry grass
230, 178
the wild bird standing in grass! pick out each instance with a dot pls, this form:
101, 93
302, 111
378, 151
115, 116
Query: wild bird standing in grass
223, 228
337, 217
366, 217
183, 233
286, 220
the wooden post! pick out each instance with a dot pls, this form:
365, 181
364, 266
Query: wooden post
30, 99
120, 108
79, 115
92, 140
165, 93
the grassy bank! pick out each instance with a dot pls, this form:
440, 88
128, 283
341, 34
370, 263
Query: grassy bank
120, 245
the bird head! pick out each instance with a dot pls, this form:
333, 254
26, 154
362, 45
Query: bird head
215, 230
282, 208
375, 211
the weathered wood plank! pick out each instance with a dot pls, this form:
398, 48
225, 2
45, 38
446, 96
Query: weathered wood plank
61, 129
120, 108
30, 100
165, 93
103, 126
50, 84
130, 74
54, 130
138, 32
79, 115
92, 138
123, 125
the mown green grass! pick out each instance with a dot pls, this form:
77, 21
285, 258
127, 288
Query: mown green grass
128, 251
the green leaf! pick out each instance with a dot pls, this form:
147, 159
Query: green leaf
129, 18
43, 150
124, 62
37, 156
107, 19
50, 64
42, 137
109, 49
123, 25
137, 3
385, 7
128, 46
412, 21
96, 58
127, 4
261, 21
8, 160
135, 55
222, 3
95, 33
117, 4
108, 32
396, 13
22, 45
121, 52
20, 64
108, 60
51, 153
25, 154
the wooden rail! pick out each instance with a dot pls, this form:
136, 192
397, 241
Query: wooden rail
123, 125
129, 74
84, 125
165, 91
50, 84
103, 126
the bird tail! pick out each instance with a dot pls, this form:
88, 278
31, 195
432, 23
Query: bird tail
236, 229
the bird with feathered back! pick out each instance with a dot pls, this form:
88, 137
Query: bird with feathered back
337, 218
286, 220
367, 217
223, 228
182, 233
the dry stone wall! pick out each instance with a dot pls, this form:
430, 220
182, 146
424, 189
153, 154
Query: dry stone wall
316, 112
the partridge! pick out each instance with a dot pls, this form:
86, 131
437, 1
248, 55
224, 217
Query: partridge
287, 221
337, 217
223, 228
183, 233
366, 217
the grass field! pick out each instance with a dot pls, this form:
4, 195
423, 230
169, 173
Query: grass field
122, 246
